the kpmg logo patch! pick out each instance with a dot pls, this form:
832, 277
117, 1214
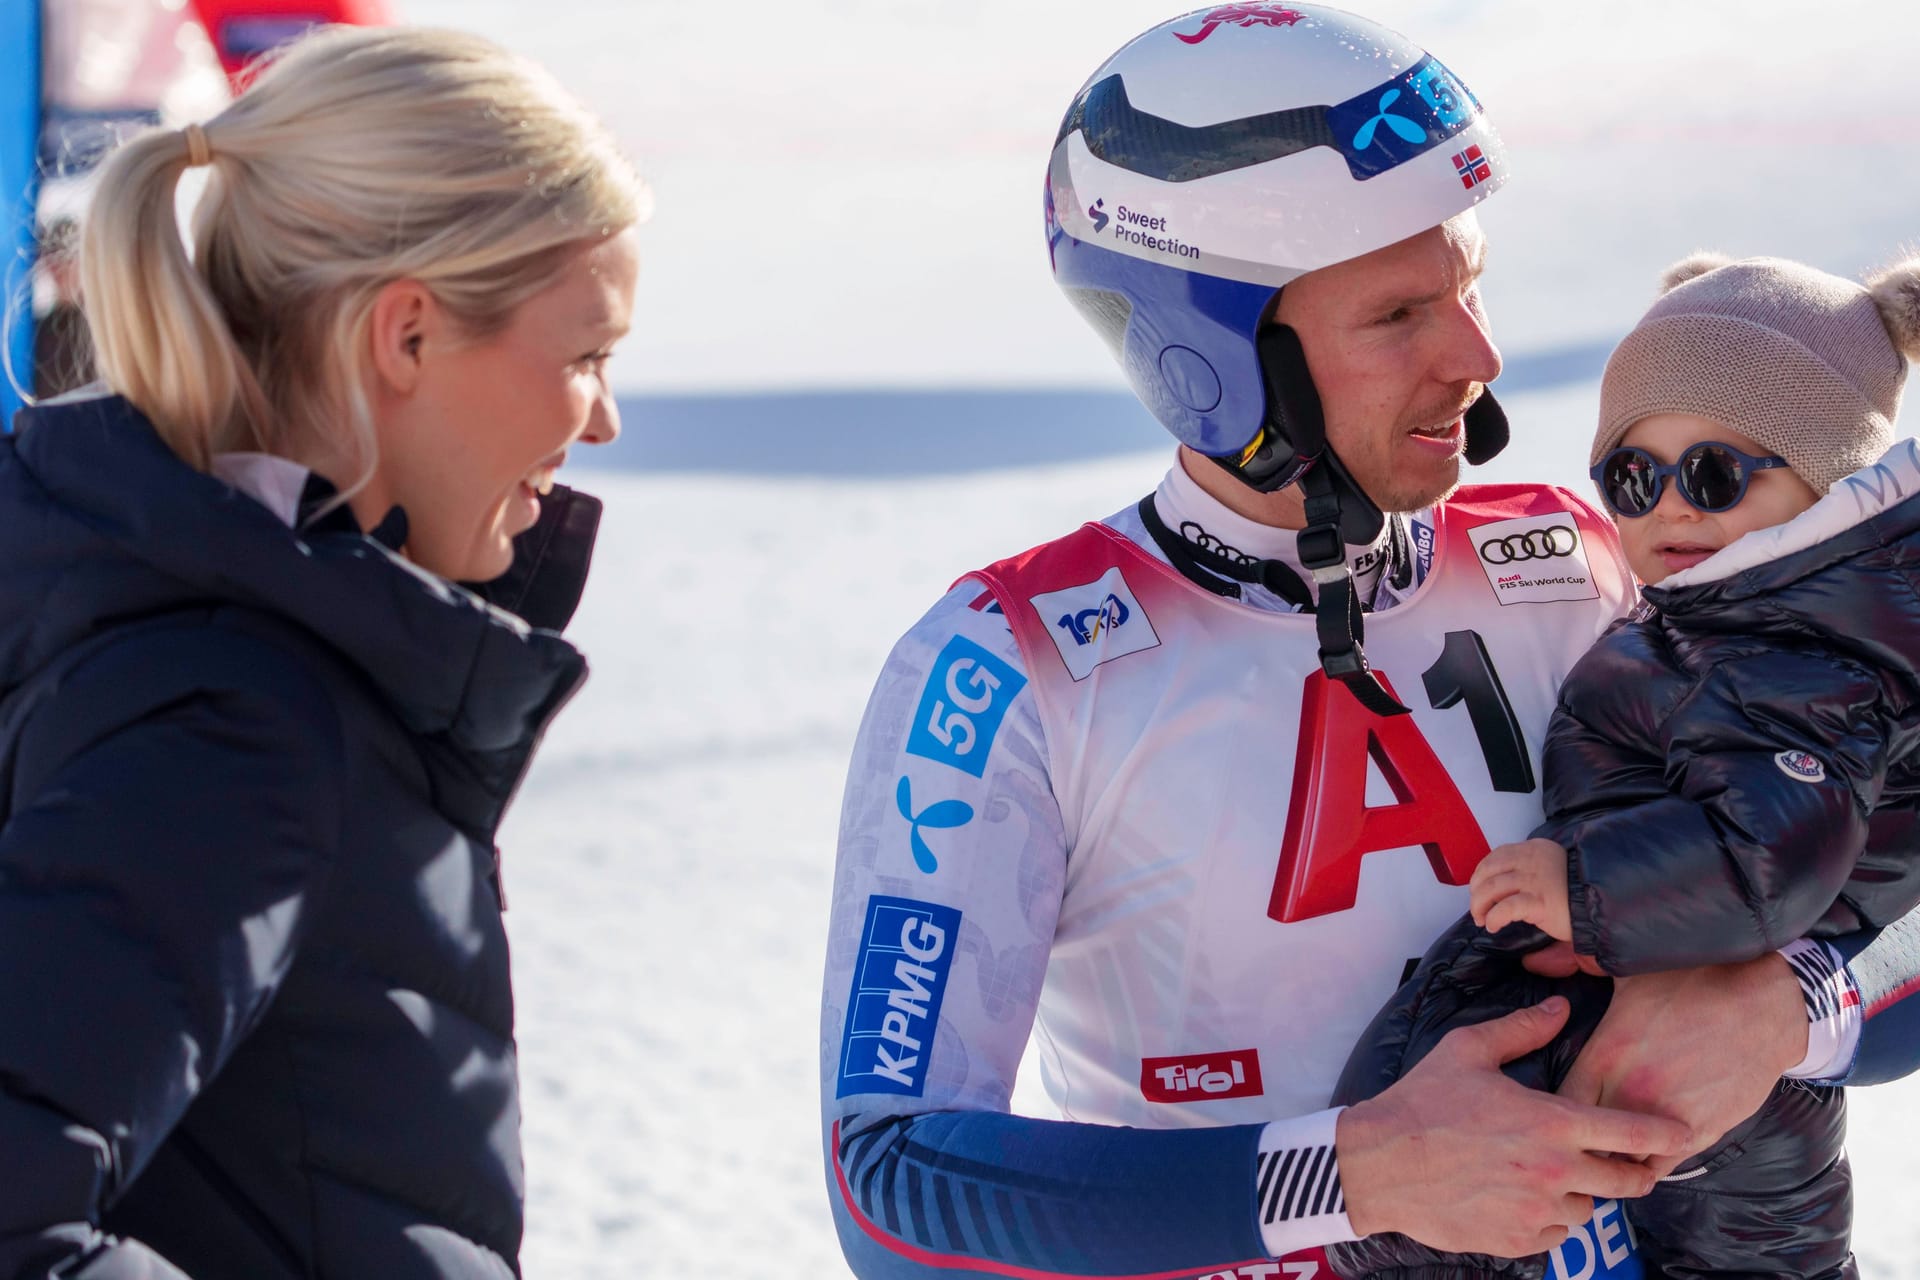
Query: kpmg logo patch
1202, 1076
1535, 559
899, 980
967, 695
1801, 767
1095, 623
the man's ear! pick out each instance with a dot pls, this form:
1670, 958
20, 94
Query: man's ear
405, 320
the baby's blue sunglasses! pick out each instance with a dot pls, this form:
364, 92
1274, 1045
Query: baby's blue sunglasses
1711, 476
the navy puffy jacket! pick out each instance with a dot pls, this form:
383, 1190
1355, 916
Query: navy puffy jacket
1741, 766
255, 1018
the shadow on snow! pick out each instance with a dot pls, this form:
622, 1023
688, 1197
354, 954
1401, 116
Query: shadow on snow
930, 431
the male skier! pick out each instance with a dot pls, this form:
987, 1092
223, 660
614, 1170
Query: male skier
1182, 793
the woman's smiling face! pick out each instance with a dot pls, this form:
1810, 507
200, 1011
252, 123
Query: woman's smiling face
489, 420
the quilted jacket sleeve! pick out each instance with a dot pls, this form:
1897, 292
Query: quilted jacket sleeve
1737, 831
170, 813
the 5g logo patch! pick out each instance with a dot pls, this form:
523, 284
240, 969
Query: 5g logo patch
961, 708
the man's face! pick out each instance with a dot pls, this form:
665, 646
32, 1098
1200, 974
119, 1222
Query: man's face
1398, 347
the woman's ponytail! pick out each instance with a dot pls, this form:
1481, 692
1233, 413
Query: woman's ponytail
160, 337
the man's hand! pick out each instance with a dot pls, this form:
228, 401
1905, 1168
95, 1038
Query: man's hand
1461, 1158
1526, 880
1704, 1046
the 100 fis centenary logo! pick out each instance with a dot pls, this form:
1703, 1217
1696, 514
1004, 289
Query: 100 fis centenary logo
1095, 622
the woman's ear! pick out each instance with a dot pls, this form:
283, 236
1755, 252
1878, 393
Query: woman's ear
404, 321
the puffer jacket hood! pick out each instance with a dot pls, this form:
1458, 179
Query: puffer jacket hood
104, 524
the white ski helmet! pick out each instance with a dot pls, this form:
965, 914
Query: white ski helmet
1219, 156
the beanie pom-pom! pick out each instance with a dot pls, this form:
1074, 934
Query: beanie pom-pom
1897, 293
1694, 264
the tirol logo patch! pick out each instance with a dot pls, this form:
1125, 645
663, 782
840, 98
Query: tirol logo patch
1198, 1077
1800, 766
899, 979
1535, 559
1095, 623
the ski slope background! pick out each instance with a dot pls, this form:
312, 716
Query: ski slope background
851, 380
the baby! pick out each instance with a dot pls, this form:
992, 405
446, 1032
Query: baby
1737, 766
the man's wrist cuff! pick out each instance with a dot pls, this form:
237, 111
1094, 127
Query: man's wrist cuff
1298, 1199
1833, 1009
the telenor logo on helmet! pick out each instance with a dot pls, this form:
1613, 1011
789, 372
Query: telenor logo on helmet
1242, 15
1800, 766
1406, 128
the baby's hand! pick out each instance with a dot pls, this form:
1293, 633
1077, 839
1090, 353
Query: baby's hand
1523, 881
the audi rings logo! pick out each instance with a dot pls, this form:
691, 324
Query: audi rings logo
1550, 543
1534, 559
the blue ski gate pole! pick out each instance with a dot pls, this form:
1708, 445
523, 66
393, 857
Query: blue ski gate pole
19, 192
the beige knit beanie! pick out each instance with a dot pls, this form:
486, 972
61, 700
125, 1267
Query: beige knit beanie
1805, 363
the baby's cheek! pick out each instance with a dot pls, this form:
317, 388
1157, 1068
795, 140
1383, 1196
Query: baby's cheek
1638, 546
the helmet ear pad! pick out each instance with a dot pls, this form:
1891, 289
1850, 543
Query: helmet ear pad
1294, 411
1296, 435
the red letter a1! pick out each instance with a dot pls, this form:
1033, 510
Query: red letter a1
1329, 826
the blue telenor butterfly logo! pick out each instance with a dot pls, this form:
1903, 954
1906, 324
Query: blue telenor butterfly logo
1405, 128
938, 815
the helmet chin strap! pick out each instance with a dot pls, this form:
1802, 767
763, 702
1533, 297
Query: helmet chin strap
1291, 448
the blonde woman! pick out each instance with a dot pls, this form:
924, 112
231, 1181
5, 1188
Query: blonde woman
255, 1017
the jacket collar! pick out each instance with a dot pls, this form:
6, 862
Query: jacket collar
111, 524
